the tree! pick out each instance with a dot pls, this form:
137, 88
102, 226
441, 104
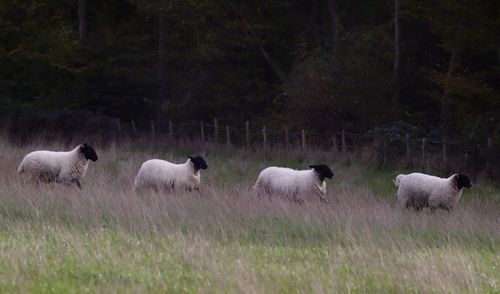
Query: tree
397, 64
82, 19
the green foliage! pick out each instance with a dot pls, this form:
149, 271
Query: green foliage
286, 62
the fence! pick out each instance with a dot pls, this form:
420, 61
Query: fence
448, 154
476, 156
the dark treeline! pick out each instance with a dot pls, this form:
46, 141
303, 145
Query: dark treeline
420, 66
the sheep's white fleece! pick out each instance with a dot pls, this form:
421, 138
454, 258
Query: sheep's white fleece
434, 191
63, 166
295, 183
163, 175
397, 180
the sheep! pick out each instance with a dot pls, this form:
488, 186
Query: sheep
397, 180
161, 175
420, 190
295, 184
63, 167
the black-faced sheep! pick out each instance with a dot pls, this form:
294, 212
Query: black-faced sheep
295, 184
64, 167
161, 175
420, 190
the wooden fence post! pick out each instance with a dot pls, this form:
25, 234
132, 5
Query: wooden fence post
216, 131
247, 134
170, 129
466, 159
134, 129
153, 132
444, 152
384, 152
408, 147
118, 125
423, 151
264, 138
343, 142
488, 154
228, 138
303, 140
202, 130
287, 142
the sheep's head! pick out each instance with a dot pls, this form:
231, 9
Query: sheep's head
463, 181
88, 152
198, 162
323, 171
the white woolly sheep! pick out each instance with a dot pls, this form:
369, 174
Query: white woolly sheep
295, 184
64, 167
161, 175
420, 190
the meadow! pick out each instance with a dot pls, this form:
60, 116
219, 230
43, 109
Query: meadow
106, 239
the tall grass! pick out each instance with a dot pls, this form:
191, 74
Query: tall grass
107, 239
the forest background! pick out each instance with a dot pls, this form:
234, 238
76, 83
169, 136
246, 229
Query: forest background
427, 68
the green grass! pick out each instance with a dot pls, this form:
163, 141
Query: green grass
47, 259
107, 239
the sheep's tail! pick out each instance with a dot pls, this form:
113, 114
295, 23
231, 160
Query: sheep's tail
397, 180
256, 185
20, 169
135, 187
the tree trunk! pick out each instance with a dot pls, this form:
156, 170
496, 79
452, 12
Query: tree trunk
312, 22
445, 103
334, 21
82, 19
397, 65
498, 54
162, 65
282, 75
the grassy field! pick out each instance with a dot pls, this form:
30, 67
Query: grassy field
107, 239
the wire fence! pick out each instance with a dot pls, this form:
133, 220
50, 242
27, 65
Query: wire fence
476, 157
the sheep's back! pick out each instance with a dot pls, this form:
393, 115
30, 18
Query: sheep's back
157, 171
417, 186
41, 163
279, 179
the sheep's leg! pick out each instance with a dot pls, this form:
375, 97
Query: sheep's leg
412, 204
78, 184
440, 206
195, 189
297, 199
323, 200
262, 192
37, 182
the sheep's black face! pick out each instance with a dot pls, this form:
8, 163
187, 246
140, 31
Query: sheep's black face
88, 152
198, 162
463, 181
323, 171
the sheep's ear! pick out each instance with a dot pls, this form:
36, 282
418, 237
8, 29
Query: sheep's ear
312, 166
190, 157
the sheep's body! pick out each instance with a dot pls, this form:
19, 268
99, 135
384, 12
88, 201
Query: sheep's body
296, 184
397, 180
420, 190
162, 175
62, 167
